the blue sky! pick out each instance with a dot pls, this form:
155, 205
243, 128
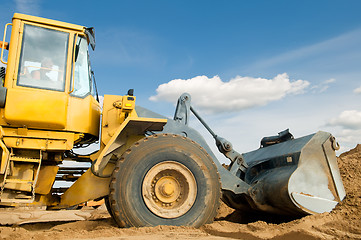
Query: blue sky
254, 68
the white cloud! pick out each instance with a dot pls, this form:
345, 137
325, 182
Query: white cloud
349, 119
357, 90
323, 86
349, 136
27, 6
214, 95
329, 81
346, 127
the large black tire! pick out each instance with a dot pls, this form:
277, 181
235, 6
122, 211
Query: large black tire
109, 208
164, 180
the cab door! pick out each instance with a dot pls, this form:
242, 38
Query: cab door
37, 96
84, 109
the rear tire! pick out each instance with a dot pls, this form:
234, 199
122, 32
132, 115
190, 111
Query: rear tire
164, 180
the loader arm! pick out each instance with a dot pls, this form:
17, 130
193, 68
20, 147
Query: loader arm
224, 146
282, 165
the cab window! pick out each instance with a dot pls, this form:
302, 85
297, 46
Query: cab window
43, 58
82, 73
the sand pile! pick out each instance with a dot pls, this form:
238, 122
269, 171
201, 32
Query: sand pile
344, 222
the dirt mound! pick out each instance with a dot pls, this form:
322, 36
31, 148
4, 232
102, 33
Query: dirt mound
354, 152
344, 222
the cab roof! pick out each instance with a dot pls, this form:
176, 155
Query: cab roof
49, 22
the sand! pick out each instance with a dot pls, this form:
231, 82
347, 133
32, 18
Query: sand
344, 222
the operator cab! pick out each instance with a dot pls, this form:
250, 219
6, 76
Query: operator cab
49, 81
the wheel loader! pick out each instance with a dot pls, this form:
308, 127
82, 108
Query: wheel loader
150, 170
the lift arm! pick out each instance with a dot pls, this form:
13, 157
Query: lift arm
224, 146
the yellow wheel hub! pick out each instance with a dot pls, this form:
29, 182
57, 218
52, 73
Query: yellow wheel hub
169, 189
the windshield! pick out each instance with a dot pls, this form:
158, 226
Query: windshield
43, 58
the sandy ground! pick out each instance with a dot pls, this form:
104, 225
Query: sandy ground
344, 222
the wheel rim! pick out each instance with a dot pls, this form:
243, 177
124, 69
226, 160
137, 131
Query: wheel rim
169, 189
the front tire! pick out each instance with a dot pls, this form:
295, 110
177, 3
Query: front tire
164, 180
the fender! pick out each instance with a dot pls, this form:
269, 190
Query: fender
130, 131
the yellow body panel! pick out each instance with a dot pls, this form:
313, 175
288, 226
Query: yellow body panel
38, 139
46, 179
87, 187
84, 115
36, 109
112, 116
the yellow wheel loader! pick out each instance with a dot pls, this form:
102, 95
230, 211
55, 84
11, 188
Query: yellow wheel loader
150, 170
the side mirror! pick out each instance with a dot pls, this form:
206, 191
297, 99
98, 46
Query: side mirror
90, 34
